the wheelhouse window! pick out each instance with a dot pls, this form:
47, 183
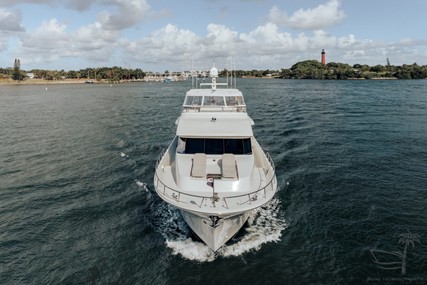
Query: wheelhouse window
197, 101
217, 146
247, 147
194, 146
193, 101
214, 146
234, 101
233, 146
213, 101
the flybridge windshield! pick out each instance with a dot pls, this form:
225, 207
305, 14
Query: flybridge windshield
222, 101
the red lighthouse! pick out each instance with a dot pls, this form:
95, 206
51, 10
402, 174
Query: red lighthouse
323, 57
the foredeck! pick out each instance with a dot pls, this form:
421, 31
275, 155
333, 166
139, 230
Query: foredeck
212, 191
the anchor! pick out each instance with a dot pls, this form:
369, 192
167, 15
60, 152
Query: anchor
215, 221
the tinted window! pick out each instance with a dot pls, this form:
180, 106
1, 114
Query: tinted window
218, 146
195, 146
214, 146
234, 146
247, 146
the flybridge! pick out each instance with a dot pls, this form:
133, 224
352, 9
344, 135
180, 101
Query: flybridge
228, 100
222, 99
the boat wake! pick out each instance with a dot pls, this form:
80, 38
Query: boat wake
263, 226
142, 184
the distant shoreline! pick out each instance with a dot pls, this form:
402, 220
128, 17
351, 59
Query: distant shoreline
85, 81
56, 82
41, 82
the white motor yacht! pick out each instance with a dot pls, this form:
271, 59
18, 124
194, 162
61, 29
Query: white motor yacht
214, 171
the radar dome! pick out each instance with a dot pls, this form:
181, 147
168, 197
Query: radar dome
213, 72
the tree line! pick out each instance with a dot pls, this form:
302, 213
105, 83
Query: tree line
313, 69
308, 69
111, 74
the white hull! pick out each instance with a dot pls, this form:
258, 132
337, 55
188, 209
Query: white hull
215, 231
215, 217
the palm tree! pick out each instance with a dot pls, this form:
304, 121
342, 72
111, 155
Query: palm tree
407, 239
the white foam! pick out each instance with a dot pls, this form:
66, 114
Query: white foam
142, 184
122, 154
191, 250
264, 226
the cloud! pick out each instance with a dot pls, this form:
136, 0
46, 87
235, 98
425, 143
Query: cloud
320, 17
45, 43
267, 39
128, 14
51, 42
79, 5
264, 46
174, 47
169, 44
220, 41
15, 2
10, 21
50, 34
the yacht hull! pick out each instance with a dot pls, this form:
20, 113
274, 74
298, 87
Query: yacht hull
213, 230
214, 170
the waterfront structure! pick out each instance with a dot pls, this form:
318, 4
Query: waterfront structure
323, 57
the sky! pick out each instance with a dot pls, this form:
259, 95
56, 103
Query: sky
160, 35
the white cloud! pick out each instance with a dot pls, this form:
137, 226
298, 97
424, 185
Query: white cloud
10, 21
14, 2
264, 46
220, 41
125, 14
322, 39
322, 16
79, 5
348, 41
169, 44
52, 42
128, 14
45, 43
267, 39
49, 35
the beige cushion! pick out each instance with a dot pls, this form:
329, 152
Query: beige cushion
229, 169
199, 165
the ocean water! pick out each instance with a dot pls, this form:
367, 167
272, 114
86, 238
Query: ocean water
77, 203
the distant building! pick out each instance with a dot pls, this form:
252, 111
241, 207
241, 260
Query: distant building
30, 75
323, 57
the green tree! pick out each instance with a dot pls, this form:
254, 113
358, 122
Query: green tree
377, 68
16, 75
285, 73
308, 69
